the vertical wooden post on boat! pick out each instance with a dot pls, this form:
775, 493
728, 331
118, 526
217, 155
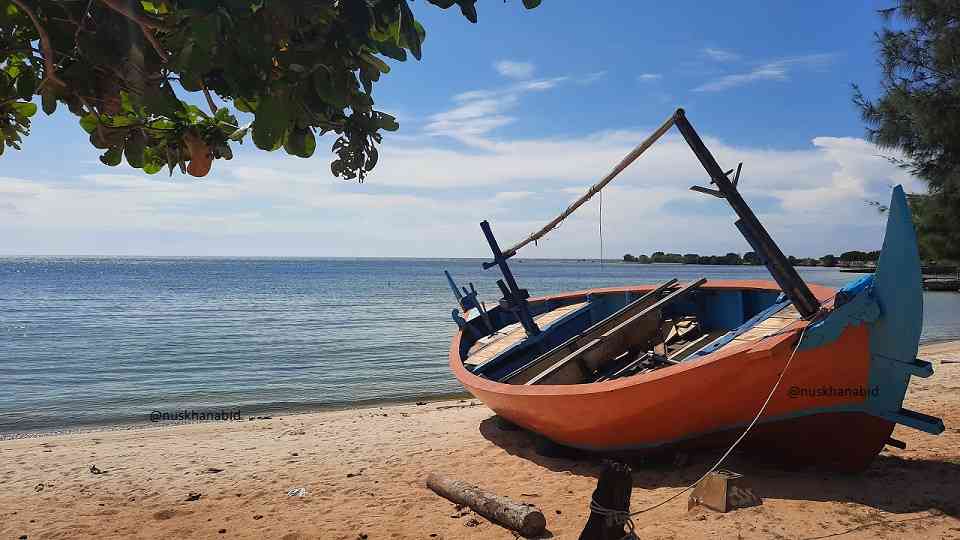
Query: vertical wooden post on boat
758, 237
515, 296
453, 287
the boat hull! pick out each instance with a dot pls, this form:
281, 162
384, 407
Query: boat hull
845, 372
698, 402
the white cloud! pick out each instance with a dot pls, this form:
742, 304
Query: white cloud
429, 192
425, 200
591, 78
512, 195
649, 77
479, 112
777, 70
514, 70
720, 55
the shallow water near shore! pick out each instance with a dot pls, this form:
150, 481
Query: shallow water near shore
95, 341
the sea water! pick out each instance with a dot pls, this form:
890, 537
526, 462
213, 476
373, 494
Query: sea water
105, 341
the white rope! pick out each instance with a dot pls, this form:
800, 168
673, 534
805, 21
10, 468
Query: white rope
742, 436
601, 229
625, 516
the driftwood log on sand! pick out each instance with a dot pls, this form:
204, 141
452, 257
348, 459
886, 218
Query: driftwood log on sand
520, 517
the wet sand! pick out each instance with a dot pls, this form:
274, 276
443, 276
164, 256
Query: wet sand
363, 471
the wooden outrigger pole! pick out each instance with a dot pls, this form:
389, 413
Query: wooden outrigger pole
624, 163
756, 235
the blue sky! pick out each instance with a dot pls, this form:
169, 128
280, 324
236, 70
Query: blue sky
510, 120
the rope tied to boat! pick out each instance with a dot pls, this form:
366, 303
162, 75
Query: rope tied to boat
626, 516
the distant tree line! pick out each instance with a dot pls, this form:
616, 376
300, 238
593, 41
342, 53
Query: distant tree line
848, 258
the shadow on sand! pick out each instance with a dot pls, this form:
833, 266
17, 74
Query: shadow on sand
891, 484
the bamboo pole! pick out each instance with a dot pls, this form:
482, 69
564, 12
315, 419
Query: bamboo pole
624, 163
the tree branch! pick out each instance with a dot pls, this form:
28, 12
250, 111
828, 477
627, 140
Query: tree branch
123, 7
210, 103
147, 25
49, 57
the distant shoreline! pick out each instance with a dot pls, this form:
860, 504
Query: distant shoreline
247, 414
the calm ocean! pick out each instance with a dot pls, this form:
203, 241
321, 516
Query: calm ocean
93, 341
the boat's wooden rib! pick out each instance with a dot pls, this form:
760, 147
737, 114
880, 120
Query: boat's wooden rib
627, 368
680, 354
490, 346
527, 372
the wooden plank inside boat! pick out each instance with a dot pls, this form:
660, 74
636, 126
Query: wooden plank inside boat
544, 362
489, 347
771, 325
638, 330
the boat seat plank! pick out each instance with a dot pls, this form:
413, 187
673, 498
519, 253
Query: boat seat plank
568, 370
487, 348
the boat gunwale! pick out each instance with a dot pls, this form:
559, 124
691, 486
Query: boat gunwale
765, 347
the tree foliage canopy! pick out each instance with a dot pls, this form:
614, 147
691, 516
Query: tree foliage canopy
299, 67
918, 112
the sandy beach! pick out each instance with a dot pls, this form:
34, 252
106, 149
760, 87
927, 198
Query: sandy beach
363, 470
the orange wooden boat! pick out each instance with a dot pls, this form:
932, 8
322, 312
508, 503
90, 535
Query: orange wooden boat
821, 373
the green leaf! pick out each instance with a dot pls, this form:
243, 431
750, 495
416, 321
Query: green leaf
239, 134
120, 121
48, 100
387, 122
410, 30
530, 4
376, 62
160, 100
134, 148
126, 103
223, 115
272, 121
24, 109
245, 105
390, 49
300, 142
468, 9
26, 85
89, 122
112, 157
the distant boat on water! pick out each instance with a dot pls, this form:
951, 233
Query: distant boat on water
941, 284
808, 374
